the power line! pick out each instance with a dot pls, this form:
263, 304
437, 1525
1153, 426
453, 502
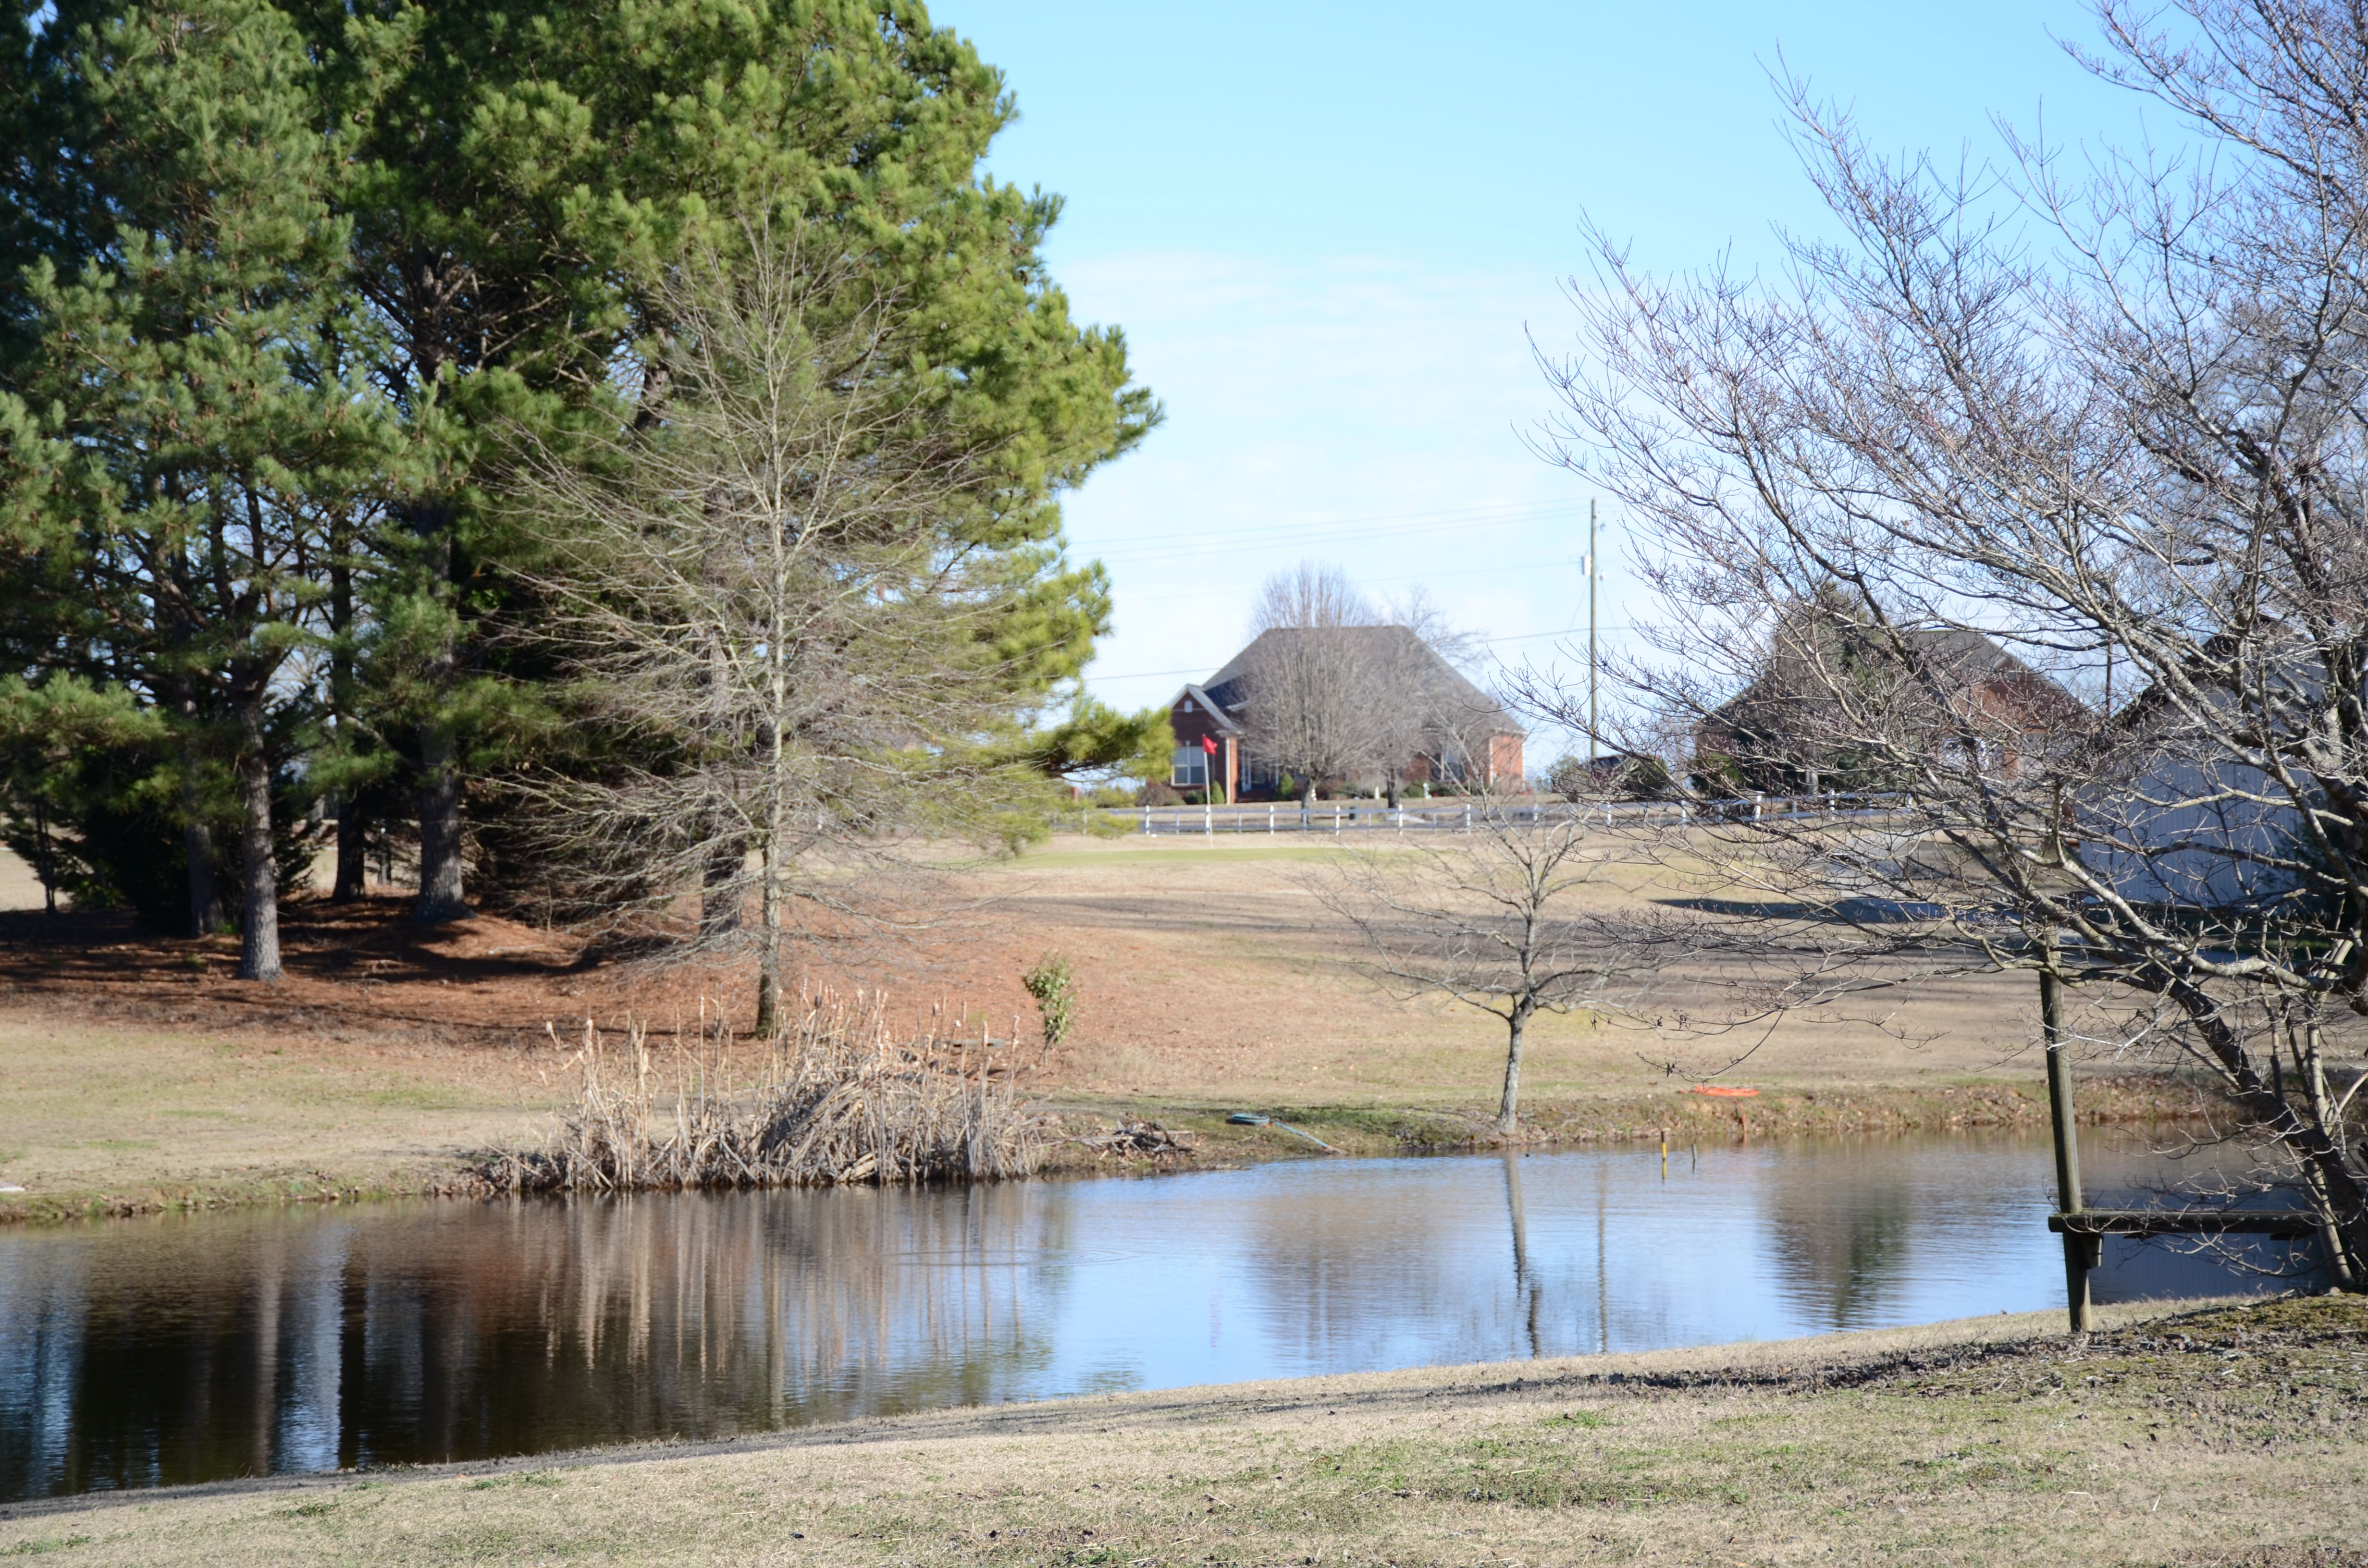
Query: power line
1443, 513
1241, 541
1231, 590
1489, 642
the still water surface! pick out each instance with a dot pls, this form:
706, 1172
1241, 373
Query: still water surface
152, 1353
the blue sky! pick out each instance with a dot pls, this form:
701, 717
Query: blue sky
1329, 231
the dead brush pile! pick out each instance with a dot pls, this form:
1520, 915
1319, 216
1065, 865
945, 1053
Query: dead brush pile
833, 1100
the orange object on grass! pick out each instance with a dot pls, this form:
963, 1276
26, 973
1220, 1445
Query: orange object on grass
1724, 1091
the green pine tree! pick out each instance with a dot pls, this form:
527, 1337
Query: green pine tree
520, 180
186, 412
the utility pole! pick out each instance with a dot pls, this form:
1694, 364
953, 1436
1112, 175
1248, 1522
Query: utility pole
1592, 575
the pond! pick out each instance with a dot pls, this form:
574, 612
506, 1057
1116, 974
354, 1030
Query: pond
158, 1352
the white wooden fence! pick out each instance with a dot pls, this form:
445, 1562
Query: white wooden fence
1341, 818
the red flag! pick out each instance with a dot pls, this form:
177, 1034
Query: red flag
1209, 745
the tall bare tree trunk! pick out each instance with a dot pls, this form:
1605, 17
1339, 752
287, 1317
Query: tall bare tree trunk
258, 942
2336, 1189
442, 895
770, 736
769, 949
1507, 1118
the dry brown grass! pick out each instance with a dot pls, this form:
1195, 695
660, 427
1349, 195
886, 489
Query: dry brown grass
122, 1119
2230, 1436
137, 1073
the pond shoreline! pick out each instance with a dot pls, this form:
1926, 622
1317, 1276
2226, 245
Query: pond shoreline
1784, 1112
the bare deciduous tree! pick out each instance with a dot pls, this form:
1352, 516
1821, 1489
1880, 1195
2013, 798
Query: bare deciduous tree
1317, 701
1941, 481
1338, 688
779, 590
1516, 916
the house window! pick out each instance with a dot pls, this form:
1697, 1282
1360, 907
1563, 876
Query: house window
1187, 705
1188, 768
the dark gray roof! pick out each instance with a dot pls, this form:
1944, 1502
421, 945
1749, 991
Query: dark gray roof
1448, 686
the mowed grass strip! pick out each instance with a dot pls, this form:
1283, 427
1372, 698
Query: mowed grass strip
2233, 1434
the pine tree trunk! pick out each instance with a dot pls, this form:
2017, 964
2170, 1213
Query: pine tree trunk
353, 839
442, 895
198, 847
258, 942
46, 866
353, 854
1507, 1115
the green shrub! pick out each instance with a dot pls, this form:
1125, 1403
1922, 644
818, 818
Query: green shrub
1054, 986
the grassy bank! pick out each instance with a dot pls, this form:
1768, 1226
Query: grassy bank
2225, 1436
1686, 1118
111, 1121
103, 1120
138, 1076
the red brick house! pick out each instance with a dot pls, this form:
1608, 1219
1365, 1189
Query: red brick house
1460, 733
1207, 744
1785, 734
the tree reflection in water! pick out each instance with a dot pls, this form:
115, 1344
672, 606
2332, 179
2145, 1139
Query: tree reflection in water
145, 1353
176, 1351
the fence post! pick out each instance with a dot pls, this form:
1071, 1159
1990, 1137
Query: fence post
1756, 796
2082, 1254
1467, 816
1270, 819
1146, 822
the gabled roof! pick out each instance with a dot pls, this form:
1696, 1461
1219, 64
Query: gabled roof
1446, 687
1966, 657
1208, 705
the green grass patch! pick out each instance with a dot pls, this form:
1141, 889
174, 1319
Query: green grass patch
417, 1097
530, 1478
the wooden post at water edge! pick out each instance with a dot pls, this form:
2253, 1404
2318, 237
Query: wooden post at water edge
2082, 1253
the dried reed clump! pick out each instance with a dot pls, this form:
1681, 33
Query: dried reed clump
832, 1100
